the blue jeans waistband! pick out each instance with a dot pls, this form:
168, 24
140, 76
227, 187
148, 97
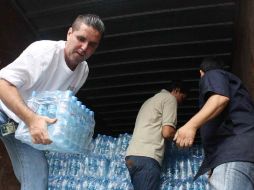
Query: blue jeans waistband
7, 125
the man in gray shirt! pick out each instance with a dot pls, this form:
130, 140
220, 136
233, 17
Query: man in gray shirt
156, 121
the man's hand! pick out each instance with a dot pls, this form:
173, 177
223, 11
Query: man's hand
185, 136
38, 129
37, 125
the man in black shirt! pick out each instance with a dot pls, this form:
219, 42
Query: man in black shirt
226, 122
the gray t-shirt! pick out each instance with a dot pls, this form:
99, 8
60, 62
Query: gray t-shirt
156, 112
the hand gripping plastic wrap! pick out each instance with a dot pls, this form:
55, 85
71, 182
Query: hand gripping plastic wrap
74, 128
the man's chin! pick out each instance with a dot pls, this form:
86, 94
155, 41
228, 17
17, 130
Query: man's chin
81, 59
78, 61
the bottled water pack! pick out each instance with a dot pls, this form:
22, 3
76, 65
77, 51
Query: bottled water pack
74, 128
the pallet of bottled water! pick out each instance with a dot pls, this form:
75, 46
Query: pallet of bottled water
103, 167
74, 127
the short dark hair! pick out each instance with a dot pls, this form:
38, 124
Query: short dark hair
178, 84
211, 63
90, 20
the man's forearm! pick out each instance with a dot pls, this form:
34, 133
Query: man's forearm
168, 132
12, 99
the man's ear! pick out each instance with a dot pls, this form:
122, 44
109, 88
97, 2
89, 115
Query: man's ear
202, 73
177, 90
69, 32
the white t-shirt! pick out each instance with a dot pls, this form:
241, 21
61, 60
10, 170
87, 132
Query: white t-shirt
42, 66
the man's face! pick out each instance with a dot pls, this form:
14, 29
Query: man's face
80, 45
180, 97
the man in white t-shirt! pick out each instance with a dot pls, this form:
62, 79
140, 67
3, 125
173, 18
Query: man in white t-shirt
156, 121
44, 65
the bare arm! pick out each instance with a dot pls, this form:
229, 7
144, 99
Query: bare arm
168, 132
213, 107
36, 124
12, 99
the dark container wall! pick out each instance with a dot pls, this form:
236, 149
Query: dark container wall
15, 35
243, 64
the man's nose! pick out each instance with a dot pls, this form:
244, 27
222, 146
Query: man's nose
84, 46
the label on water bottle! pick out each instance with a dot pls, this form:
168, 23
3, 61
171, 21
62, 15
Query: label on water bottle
8, 128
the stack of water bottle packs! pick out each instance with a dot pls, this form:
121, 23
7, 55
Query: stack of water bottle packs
103, 167
74, 127
180, 166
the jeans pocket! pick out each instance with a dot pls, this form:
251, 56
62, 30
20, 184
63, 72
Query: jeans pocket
130, 164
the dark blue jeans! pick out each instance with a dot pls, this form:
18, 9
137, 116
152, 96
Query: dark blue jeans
144, 172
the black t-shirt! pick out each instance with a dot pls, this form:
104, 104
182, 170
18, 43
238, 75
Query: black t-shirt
229, 136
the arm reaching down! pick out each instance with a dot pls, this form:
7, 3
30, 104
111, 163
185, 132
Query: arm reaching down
214, 106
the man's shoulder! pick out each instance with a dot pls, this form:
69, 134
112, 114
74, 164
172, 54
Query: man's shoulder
43, 47
164, 94
47, 43
218, 72
162, 97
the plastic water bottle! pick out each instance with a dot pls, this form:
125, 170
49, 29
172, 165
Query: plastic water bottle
61, 127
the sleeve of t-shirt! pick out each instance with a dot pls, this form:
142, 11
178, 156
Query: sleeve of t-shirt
26, 69
214, 82
169, 113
